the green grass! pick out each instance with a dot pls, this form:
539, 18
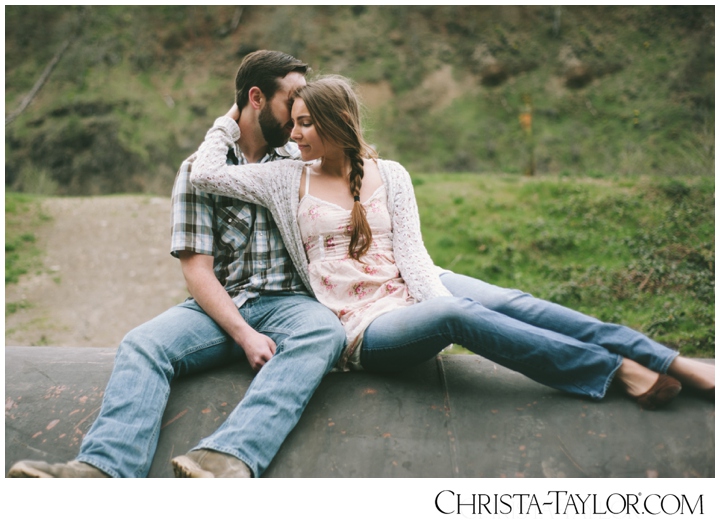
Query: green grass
639, 251
23, 215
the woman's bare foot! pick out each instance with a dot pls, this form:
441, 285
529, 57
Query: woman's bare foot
650, 389
692, 373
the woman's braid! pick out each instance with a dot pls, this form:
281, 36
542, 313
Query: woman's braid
361, 234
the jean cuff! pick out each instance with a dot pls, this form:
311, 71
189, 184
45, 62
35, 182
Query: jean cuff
610, 378
669, 360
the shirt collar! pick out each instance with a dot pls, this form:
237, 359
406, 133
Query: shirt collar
288, 151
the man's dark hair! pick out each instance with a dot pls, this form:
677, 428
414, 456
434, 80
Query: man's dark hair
263, 69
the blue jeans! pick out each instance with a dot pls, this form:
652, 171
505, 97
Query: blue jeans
184, 340
551, 344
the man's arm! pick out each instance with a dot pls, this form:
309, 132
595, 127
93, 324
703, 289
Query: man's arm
209, 293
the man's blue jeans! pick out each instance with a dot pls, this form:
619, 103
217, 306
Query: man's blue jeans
184, 340
551, 344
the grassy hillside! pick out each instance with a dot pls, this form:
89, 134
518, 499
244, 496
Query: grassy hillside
612, 90
639, 251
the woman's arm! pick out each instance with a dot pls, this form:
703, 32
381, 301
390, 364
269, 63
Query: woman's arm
250, 182
274, 185
412, 258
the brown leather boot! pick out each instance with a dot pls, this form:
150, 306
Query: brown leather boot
37, 469
206, 463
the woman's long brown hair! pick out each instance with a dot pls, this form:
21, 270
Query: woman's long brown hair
335, 111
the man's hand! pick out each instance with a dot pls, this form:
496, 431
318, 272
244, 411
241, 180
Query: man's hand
258, 348
215, 301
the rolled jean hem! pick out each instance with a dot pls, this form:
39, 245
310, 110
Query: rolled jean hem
666, 364
610, 379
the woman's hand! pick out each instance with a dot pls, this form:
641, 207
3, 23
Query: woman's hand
234, 113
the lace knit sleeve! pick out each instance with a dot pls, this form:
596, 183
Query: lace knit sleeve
411, 256
274, 185
254, 183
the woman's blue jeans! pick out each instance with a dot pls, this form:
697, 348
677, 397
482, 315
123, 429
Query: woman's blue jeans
551, 344
184, 340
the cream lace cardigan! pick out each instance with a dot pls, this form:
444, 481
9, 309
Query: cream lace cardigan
276, 186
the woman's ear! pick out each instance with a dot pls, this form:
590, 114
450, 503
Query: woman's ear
256, 98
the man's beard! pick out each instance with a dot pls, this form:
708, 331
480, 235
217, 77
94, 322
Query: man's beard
273, 132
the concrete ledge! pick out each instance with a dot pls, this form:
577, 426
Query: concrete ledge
457, 416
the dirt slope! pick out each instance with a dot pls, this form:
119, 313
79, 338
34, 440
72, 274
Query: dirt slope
108, 269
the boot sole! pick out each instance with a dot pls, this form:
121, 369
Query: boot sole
23, 471
186, 468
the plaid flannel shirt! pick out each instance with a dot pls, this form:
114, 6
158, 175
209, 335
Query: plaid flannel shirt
249, 254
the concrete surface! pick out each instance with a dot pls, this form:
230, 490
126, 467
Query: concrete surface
457, 416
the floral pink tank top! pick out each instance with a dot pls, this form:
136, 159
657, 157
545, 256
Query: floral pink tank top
357, 292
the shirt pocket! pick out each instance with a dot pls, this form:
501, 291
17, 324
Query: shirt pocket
234, 227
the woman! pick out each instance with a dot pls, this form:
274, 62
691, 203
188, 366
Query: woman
351, 226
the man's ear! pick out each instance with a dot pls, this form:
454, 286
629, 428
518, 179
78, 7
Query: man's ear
256, 98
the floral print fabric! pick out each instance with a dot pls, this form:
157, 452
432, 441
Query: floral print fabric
356, 291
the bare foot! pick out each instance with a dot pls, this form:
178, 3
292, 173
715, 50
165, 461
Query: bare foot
693, 373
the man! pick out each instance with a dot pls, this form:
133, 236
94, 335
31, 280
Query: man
247, 299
